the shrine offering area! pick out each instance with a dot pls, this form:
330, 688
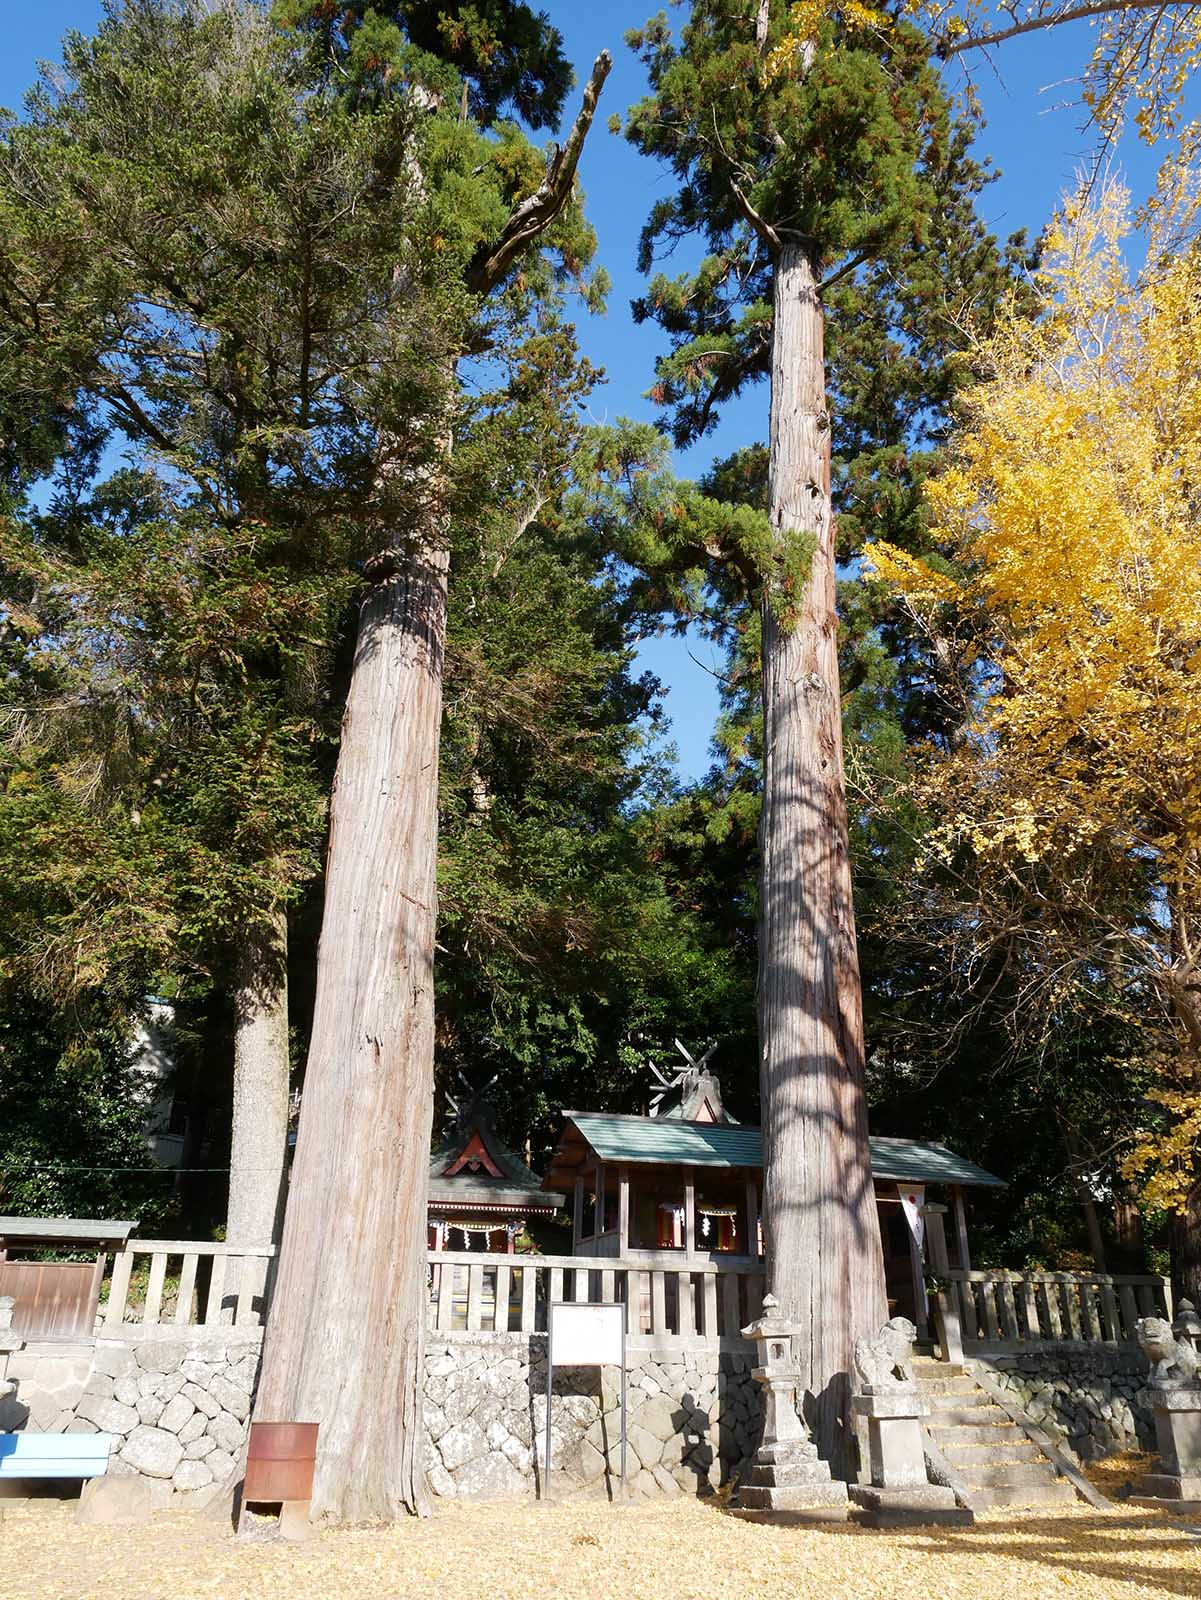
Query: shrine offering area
687, 1550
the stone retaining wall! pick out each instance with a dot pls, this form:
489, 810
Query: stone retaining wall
1088, 1399
693, 1420
179, 1408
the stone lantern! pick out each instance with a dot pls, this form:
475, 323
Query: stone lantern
789, 1481
1187, 1324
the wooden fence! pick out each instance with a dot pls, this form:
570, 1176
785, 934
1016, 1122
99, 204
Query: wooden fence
187, 1284
164, 1283
52, 1299
707, 1299
1012, 1310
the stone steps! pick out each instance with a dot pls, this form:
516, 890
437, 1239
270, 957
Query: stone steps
1024, 1496
1013, 1447
994, 1460
947, 1382
1008, 1474
972, 1416
950, 1436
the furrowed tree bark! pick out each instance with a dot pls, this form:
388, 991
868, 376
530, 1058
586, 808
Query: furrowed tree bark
1183, 989
344, 1344
1185, 1241
259, 1129
821, 1229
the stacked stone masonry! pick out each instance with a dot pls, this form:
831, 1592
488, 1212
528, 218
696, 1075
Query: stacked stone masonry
1090, 1401
693, 1420
179, 1409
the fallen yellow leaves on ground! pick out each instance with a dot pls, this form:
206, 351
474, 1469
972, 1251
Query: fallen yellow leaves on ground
682, 1550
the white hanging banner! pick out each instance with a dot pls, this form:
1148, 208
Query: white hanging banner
913, 1198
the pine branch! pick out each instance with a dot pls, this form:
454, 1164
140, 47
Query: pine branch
760, 224
535, 214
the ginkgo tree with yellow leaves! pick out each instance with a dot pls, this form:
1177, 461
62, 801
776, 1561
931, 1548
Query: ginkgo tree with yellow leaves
1065, 825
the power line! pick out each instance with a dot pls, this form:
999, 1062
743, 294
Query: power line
168, 1172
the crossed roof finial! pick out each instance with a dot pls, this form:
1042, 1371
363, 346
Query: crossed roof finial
668, 1081
469, 1095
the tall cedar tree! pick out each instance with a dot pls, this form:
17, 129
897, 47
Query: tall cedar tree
344, 1344
798, 168
177, 239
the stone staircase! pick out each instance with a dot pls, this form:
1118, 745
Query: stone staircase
991, 1459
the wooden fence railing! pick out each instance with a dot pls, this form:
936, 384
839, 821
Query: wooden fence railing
183, 1283
187, 1283
999, 1309
668, 1300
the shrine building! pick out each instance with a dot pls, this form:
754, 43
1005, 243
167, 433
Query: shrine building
685, 1181
480, 1195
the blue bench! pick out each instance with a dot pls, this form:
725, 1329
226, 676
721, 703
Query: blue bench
54, 1455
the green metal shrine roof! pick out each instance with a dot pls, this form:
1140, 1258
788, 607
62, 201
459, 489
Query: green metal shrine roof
913, 1161
710, 1144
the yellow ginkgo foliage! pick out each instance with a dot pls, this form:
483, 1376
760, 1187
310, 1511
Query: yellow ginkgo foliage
1134, 56
1070, 517
805, 19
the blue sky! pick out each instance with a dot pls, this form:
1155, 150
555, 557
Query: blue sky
1032, 134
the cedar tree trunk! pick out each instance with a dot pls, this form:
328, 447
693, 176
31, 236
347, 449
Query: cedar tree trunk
1184, 992
259, 1132
345, 1341
821, 1229
1084, 1196
1185, 1240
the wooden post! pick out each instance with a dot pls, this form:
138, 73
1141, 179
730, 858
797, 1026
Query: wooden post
97, 1280
946, 1308
118, 1288
965, 1257
752, 1218
577, 1216
598, 1209
623, 1211
689, 1214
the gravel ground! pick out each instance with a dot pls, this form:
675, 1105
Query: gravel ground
678, 1551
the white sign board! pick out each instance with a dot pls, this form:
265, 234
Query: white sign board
586, 1336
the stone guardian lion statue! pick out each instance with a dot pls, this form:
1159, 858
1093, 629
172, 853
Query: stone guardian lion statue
1173, 1361
882, 1362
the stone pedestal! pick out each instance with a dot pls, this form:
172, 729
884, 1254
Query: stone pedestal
789, 1482
1178, 1437
900, 1493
